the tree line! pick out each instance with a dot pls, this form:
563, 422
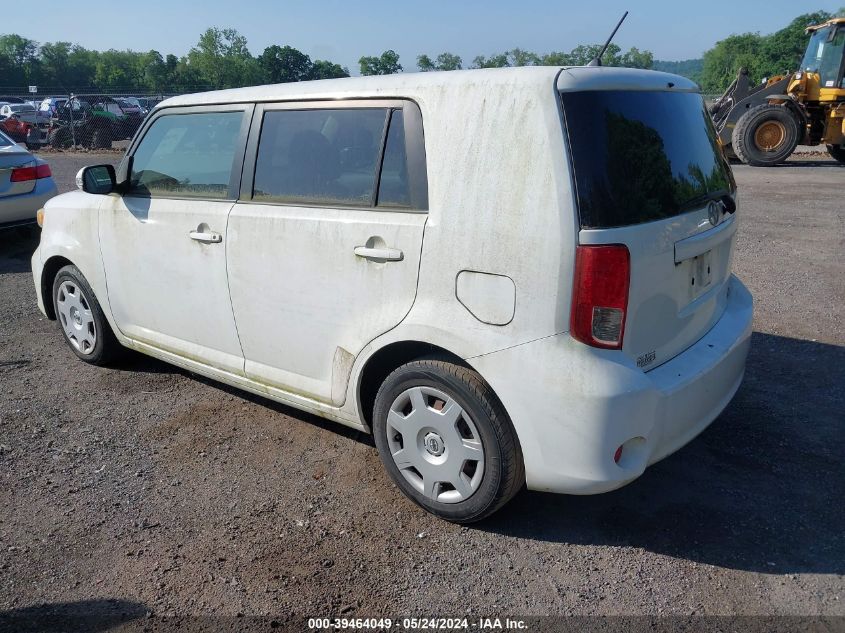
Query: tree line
221, 59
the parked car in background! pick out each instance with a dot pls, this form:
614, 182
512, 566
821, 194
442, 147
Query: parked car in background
128, 106
23, 111
146, 104
536, 291
8, 99
21, 131
50, 105
26, 184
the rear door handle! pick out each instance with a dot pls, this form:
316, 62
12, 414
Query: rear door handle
209, 237
386, 254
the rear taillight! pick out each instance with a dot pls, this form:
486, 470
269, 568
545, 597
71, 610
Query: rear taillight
22, 174
600, 295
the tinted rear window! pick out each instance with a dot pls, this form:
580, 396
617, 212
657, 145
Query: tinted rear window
641, 156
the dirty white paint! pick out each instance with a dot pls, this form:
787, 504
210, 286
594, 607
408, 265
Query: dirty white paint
284, 308
489, 298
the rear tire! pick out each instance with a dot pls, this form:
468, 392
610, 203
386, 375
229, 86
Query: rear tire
60, 139
837, 152
441, 423
766, 135
81, 319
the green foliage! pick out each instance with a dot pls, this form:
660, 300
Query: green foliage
281, 64
783, 50
763, 55
328, 70
578, 56
386, 64
689, 68
221, 59
444, 61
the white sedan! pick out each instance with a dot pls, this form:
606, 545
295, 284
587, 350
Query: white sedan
26, 183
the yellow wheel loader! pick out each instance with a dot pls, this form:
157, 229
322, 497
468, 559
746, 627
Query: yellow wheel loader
761, 125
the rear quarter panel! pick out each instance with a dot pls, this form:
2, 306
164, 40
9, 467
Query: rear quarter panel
500, 202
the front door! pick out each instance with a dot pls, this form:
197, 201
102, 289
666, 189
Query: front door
164, 241
324, 243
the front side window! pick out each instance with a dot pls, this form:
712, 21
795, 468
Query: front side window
321, 157
187, 156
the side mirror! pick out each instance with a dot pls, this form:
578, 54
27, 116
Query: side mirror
98, 179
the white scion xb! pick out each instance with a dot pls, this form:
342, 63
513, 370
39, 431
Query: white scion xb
511, 277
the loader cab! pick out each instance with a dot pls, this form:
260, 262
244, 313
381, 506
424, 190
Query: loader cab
826, 54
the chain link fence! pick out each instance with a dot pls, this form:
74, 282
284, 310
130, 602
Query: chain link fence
83, 120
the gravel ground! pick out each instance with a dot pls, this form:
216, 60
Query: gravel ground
147, 491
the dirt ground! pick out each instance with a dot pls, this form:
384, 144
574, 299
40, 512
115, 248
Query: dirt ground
141, 493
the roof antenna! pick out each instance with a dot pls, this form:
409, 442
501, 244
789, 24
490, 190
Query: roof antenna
596, 61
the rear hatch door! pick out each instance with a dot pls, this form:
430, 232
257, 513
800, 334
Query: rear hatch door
649, 174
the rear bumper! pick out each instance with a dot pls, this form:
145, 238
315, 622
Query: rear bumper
573, 406
22, 208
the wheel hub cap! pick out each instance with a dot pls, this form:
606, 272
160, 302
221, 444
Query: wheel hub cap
435, 445
76, 317
770, 135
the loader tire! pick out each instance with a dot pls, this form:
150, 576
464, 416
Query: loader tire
837, 152
766, 135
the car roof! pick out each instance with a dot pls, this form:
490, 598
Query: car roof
413, 85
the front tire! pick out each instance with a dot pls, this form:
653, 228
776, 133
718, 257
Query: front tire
766, 135
81, 320
837, 152
446, 440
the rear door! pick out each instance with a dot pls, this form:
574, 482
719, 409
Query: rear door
324, 243
649, 174
163, 242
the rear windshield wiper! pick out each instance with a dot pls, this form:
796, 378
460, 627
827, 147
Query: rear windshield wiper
720, 195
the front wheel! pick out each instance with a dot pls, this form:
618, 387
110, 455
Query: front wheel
766, 135
837, 152
446, 440
83, 325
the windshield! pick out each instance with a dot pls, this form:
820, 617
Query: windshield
642, 156
824, 55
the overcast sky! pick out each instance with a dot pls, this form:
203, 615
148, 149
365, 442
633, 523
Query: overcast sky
343, 31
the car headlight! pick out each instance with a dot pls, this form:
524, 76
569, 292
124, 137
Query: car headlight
39, 217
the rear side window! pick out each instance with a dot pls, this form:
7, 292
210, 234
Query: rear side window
187, 156
641, 156
393, 185
321, 156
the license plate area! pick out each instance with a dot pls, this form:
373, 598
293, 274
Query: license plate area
700, 274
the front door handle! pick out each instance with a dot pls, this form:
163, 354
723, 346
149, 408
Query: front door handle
208, 237
384, 253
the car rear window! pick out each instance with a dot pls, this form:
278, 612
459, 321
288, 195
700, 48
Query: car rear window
641, 156
5, 141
